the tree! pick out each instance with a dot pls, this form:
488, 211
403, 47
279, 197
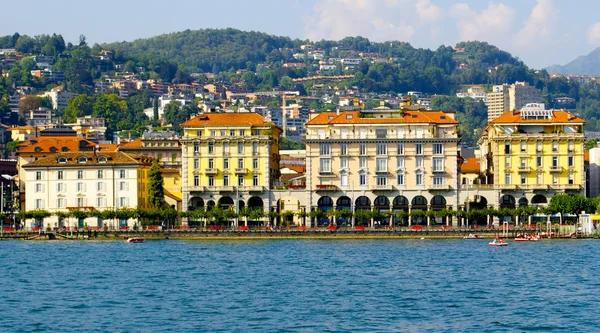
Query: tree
29, 103
156, 192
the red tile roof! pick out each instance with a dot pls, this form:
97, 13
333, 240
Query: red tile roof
296, 168
220, 119
137, 143
58, 143
558, 116
352, 117
113, 158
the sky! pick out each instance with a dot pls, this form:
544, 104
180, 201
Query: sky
539, 32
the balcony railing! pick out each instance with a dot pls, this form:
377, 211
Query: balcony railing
523, 168
221, 188
326, 187
241, 171
555, 168
440, 187
211, 171
387, 187
566, 187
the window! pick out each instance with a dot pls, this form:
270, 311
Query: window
60, 203
222, 132
362, 179
231, 132
381, 133
400, 162
538, 161
400, 179
39, 203
38, 175
539, 178
381, 181
196, 163
225, 180
80, 187
39, 188
61, 188
213, 133
325, 165
240, 163
196, 181
211, 148
419, 162
101, 186
225, 163
211, 163
254, 148
438, 180
523, 146
198, 133
571, 178
255, 163
419, 149
62, 160
343, 162
60, 175
438, 164
554, 179
225, 148
381, 149
523, 179
343, 149
381, 164
362, 162
438, 149
419, 179
196, 147
100, 174
571, 161
240, 180
123, 201
255, 180
362, 149
400, 149
123, 186
101, 202
571, 147
507, 147
82, 159
554, 162
344, 179
507, 178
242, 132
554, 146
507, 162
80, 202
523, 162
538, 146
240, 147
211, 181
325, 149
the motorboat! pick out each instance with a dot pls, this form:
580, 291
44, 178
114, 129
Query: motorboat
498, 242
472, 236
527, 238
134, 240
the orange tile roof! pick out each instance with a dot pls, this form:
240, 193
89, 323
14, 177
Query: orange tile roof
59, 143
220, 119
137, 143
558, 116
470, 165
113, 158
427, 117
297, 168
22, 128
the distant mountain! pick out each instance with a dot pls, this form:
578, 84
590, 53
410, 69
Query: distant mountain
583, 65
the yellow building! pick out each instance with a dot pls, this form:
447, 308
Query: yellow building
382, 159
531, 155
229, 157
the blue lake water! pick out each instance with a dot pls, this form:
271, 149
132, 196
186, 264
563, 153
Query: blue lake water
300, 286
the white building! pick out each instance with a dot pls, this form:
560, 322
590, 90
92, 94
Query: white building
59, 98
85, 181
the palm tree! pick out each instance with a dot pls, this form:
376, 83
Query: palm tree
257, 214
286, 215
273, 216
303, 215
245, 212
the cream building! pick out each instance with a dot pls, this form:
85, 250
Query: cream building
382, 159
504, 98
86, 181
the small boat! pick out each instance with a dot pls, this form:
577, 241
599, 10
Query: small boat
134, 240
498, 242
527, 238
472, 236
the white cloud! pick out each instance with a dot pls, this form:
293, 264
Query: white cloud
491, 24
538, 27
428, 12
593, 33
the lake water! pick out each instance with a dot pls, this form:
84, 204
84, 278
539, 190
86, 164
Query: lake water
300, 285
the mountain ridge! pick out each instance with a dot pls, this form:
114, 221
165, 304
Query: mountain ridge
583, 65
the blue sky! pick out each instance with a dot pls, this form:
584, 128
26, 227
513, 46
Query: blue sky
540, 32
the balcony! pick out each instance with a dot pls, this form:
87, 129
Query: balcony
566, 187
381, 172
507, 187
440, 187
438, 170
523, 168
221, 188
211, 171
538, 187
241, 171
251, 188
326, 188
387, 187
555, 168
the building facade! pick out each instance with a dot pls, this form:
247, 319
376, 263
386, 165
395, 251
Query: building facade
382, 159
504, 98
229, 160
529, 156
85, 181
